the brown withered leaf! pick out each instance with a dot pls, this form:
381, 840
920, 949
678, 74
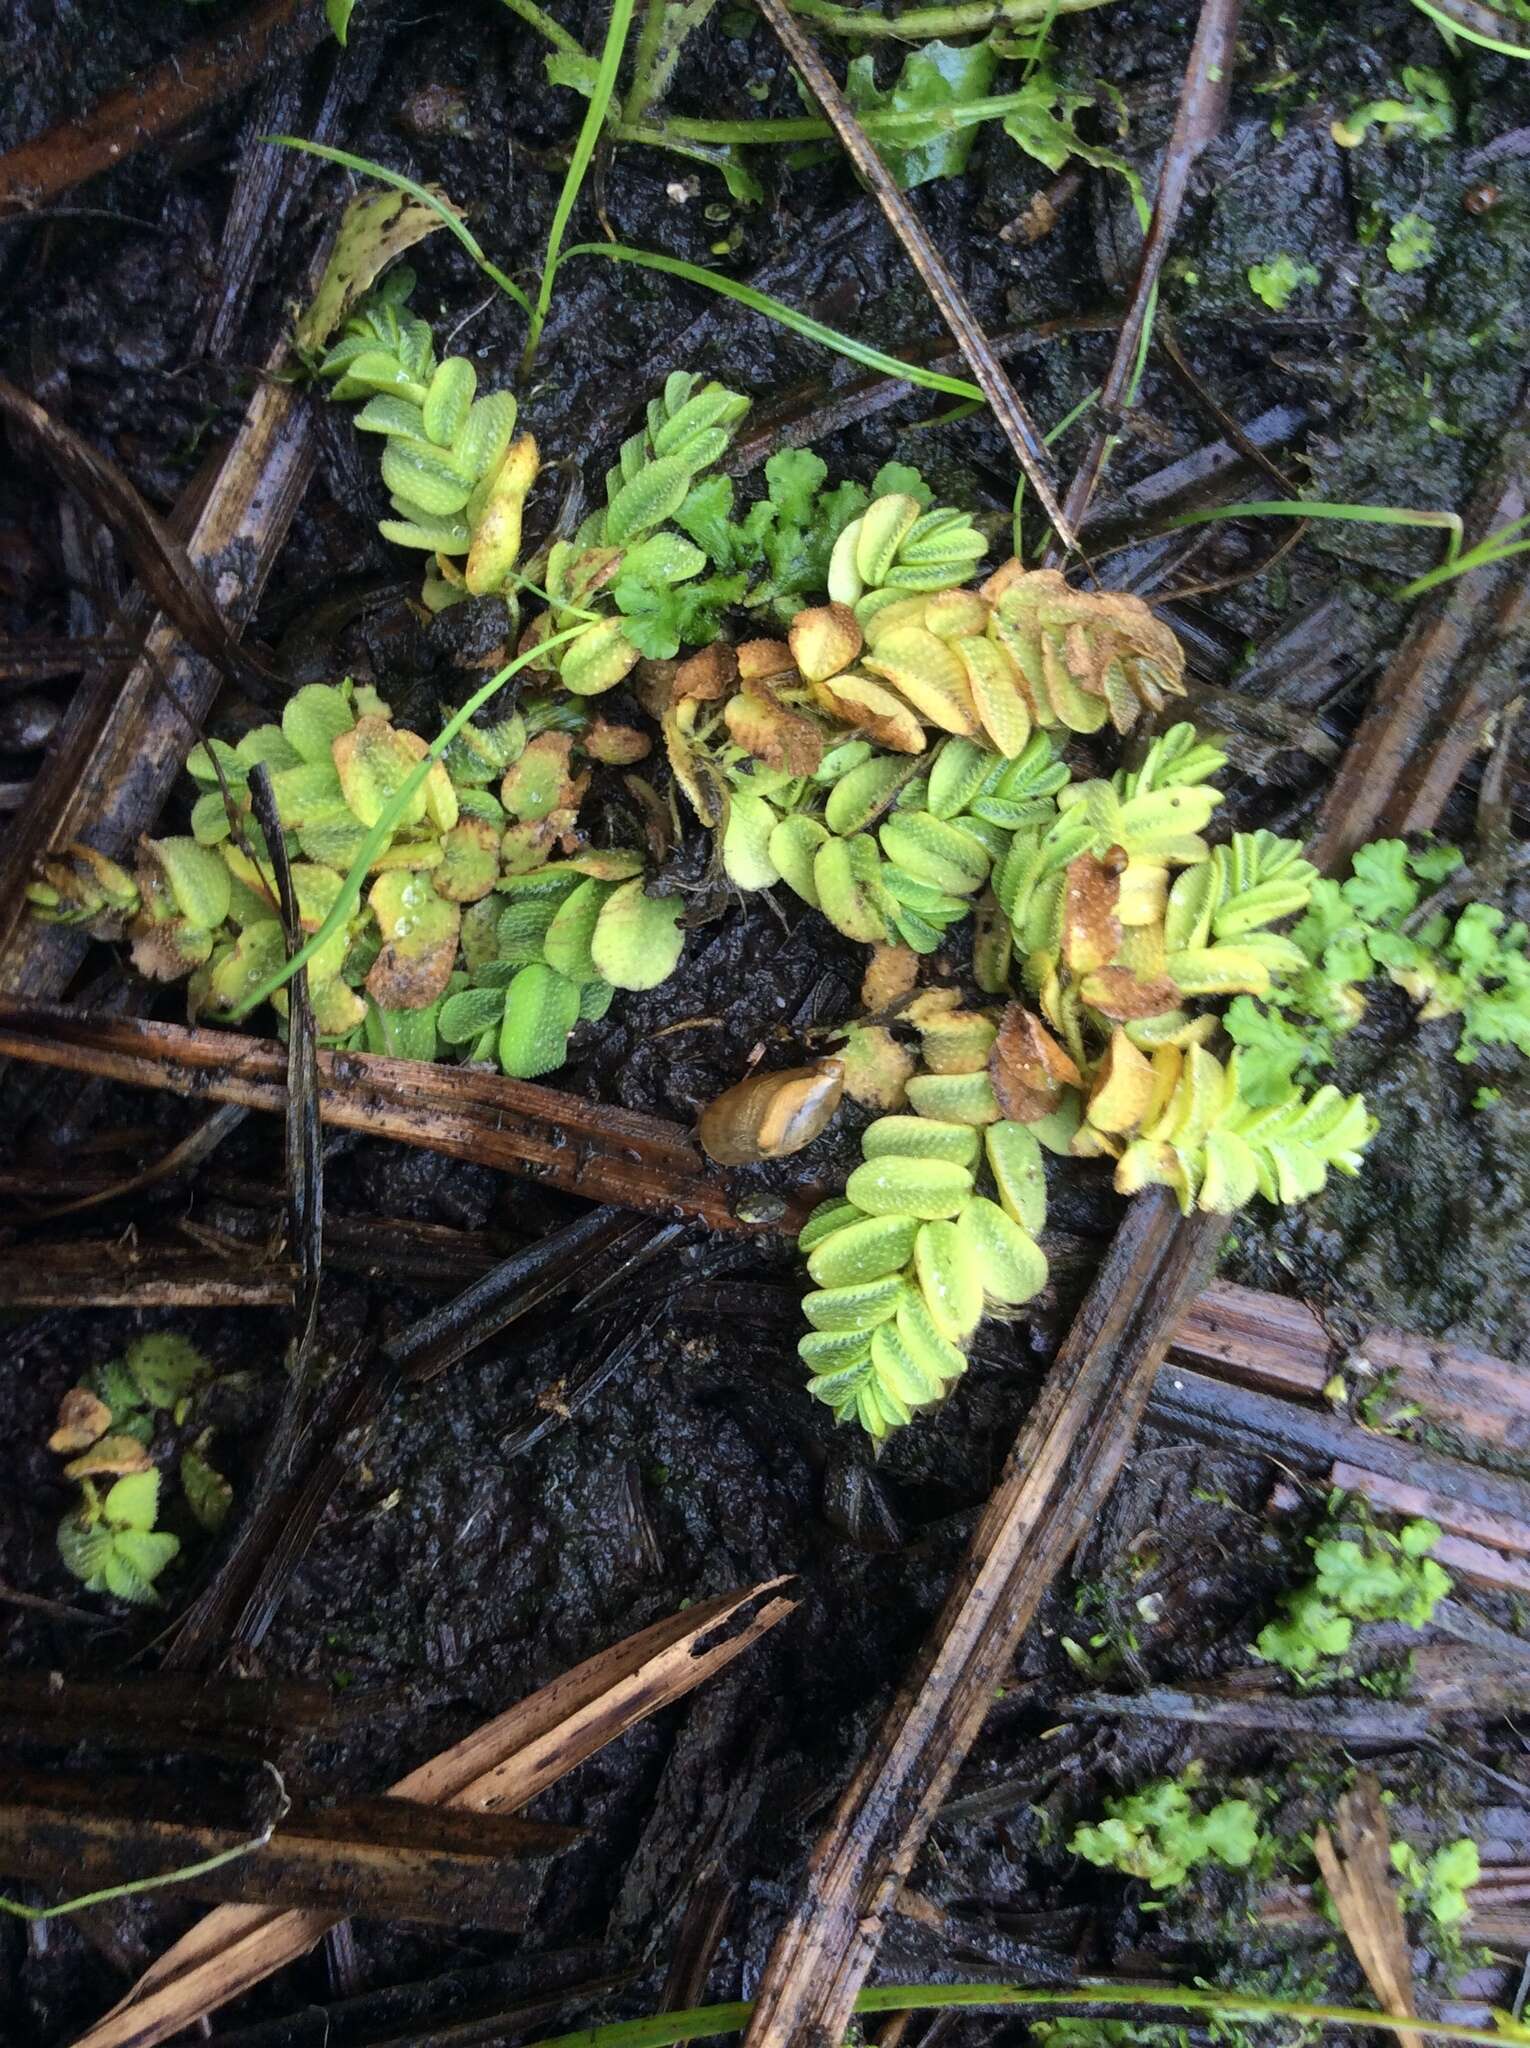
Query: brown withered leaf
617, 746
709, 674
653, 684
1028, 1068
1122, 1087
993, 587
761, 659
111, 1456
1091, 931
890, 975
689, 769
771, 732
1119, 994
877, 1068
81, 1419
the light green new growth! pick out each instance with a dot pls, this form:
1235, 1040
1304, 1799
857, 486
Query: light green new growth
1160, 1834
1375, 1577
1276, 281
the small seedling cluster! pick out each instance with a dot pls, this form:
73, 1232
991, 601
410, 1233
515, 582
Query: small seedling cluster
1161, 1834
109, 1540
1372, 1576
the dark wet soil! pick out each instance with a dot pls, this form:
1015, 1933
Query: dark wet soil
457, 1576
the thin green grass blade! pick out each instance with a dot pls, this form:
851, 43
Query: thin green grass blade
785, 316
539, 19
1495, 548
377, 837
1465, 22
400, 183
579, 163
659, 2030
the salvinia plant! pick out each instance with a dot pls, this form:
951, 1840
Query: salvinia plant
881, 735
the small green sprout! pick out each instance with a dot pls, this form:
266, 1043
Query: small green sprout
1276, 281
1411, 244
1160, 1835
1377, 1577
1439, 1884
1426, 113
110, 1542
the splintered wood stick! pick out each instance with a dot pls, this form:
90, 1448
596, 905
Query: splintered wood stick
499, 1768
392, 1858
585, 1148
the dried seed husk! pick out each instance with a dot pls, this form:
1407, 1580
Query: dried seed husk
950, 1278
1014, 1160
926, 1188
770, 1116
865, 1249
855, 1308
955, 1098
1012, 1265
920, 1137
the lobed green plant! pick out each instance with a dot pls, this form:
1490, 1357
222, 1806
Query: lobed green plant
1161, 1834
1372, 1576
1438, 1884
1474, 965
109, 1540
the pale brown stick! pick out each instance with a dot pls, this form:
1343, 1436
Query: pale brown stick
499, 1768
950, 300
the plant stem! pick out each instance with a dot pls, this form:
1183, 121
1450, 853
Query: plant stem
579, 163
659, 2030
656, 67
650, 35
783, 128
917, 24
537, 18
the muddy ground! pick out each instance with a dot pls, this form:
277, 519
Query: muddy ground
457, 1569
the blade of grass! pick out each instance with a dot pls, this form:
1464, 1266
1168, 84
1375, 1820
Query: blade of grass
578, 164
538, 18
659, 2030
1496, 547
917, 24
1474, 23
795, 128
448, 215
1321, 508
377, 838
785, 316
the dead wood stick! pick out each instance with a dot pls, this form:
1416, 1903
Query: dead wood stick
93, 1274
1054, 1481
950, 300
124, 739
1415, 681
1328, 1720
166, 1712
499, 1768
1356, 1864
604, 1154
156, 103
386, 1857
1202, 105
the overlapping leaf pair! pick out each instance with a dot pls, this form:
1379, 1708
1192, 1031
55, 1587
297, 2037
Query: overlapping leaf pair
913, 1256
